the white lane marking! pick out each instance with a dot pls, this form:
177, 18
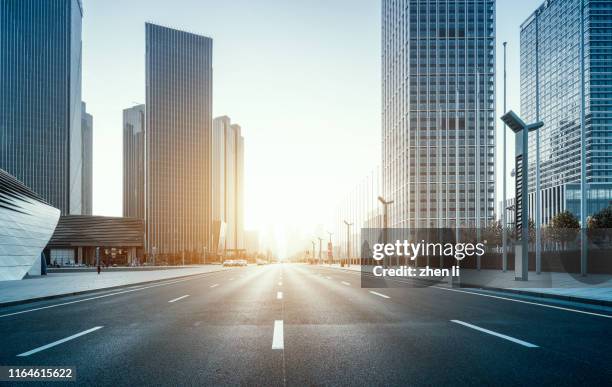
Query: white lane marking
280, 284
277, 338
101, 296
345, 283
527, 302
179, 298
517, 341
231, 279
328, 277
379, 294
279, 295
214, 286
58, 342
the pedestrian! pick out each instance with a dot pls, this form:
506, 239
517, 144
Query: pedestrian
98, 269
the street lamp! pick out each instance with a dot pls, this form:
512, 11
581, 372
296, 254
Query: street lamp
320, 246
385, 204
348, 242
521, 130
313, 251
330, 247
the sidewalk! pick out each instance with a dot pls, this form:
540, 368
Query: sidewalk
61, 284
593, 289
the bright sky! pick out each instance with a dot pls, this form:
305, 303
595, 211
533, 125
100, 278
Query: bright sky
302, 78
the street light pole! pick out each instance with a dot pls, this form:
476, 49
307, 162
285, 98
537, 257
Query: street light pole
583, 169
320, 245
313, 251
330, 246
348, 242
503, 214
385, 204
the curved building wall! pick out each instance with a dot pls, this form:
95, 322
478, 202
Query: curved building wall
26, 225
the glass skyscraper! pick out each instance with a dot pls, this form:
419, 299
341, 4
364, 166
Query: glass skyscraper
550, 70
438, 112
178, 141
40, 98
87, 157
228, 180
133, 161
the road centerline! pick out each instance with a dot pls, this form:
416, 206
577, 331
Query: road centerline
379, 294
277, 338
58, 342
178, 298
500, 335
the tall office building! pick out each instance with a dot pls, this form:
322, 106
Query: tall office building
133, 162
87, 157
178, 141
228, 181
438, 103
550, 92
40, 98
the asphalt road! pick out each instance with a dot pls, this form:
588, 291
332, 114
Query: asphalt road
236, 328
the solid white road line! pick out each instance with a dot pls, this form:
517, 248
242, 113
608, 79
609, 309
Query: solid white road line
345, 283
527, 302
279, 295
214, 286
231, 279
379, 294
277, 338
58, 342
179, 298
517, 341
328, 277
101, 296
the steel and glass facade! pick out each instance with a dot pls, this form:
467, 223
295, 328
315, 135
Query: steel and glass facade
438, 112
87, 157
40, 98
178, 141
228, 180
550, 92
133, 162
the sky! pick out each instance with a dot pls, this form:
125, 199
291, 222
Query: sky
302, 78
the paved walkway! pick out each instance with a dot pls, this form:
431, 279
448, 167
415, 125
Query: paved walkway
595, 287
55, 284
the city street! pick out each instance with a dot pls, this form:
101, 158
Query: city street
290, 324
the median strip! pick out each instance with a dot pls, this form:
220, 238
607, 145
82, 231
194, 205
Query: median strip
179, 298
277, 337
58, 342
517, 341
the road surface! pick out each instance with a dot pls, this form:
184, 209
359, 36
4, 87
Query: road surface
300, 325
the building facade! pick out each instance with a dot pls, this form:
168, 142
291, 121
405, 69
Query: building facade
178, 141
550, 92
133, 162
87, 157
438, 120
228, 181
26, 225
40, 98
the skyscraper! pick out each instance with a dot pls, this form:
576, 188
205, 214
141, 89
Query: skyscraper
87, 157
438, 103
228, 180
178, 140
550, 92
133, 162
40, 98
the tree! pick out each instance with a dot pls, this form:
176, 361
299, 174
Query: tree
563, 227
602, 219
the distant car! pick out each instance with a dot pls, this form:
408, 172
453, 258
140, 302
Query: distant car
234, 262
229, 262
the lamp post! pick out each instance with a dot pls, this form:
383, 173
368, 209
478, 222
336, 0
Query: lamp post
313, 251
320, 246
330, 248
521, 129
348, 242
504, 219
385, 204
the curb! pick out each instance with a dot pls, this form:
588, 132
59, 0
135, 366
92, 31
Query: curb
81, 292
523, 292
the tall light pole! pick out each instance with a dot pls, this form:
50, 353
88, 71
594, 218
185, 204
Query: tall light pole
314, 254
583, 170
538, 220
521, 129
385, 204
320, 246
330, 246
348, 242
503, 214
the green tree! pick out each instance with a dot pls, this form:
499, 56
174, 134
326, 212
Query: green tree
563, 227
602, 219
